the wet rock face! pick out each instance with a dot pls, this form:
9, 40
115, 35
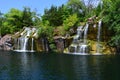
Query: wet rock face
62, 43
6, 43
42, 44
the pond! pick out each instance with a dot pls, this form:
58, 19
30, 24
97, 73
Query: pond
56, 66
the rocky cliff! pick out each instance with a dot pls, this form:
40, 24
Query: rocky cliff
6, 42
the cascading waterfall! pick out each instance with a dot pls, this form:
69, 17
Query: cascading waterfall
32, 45
75, 49
99, 30
79, 34
98, 36
85, 42
85, 33
76, 39
79, 31
80, 46
26, 41
83, 47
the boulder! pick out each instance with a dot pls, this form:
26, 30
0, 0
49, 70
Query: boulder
62, 42
6, 42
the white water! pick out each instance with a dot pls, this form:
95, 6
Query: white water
78, 53
32, 45
79, 31
75, 48
23, 42
80, 48
79, 34
83, 48
99, 30
85, 33
25, 38
98, 37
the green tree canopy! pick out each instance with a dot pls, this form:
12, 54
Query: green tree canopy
77, 7
16, 19
12, 21
111, 17
55, 15
27, 16
70, 22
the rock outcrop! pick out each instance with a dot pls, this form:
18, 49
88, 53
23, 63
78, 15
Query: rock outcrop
62, 42
6, 42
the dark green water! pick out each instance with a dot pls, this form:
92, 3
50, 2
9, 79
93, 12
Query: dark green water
52, 66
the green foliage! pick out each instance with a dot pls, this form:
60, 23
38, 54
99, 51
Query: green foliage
15, 20
46, 31
12, 21
55, 15
36, 19
112, 18
5, 30
60, 31
77, 7
27, 16
53, 46
70, 22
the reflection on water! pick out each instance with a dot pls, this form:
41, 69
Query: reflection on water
36, 66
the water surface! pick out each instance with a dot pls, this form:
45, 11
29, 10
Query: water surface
53, 66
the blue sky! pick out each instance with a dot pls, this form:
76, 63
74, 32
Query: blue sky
39, 5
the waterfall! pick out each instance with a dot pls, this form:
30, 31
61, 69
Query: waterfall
99, 30
85, 33
18, 47
16, 43
83, 49
75, 48
24, 43
82, 46
79, 34
79, 46
32, 45
99, 36
79, 30
26, 40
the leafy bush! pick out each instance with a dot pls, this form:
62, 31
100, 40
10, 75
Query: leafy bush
111, 18
70, 21
46, 31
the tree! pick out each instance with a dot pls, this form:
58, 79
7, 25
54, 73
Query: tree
36, 19
111, 18
15, 20
70, 21
46, 31
55, 15
51, 16
12, 21
77, 7
27, 17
